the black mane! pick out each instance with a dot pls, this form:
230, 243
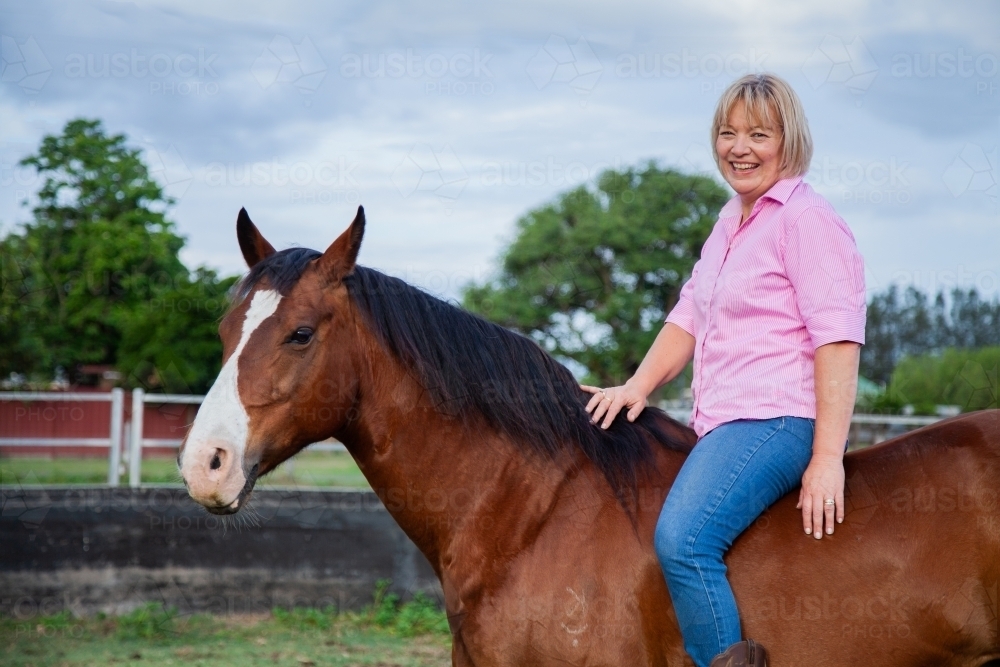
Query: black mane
470, 366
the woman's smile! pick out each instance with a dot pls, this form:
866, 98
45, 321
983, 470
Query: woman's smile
749, 151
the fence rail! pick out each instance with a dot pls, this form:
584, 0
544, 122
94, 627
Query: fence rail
127, 435
116, 397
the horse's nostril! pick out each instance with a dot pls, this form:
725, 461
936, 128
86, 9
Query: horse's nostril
216, 463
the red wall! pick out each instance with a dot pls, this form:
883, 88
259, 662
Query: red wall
86, 419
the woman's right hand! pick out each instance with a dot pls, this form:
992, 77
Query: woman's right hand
608, 402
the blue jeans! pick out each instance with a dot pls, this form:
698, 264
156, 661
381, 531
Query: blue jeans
734, 473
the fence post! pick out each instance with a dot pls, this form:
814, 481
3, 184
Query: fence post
115, 453
135, 455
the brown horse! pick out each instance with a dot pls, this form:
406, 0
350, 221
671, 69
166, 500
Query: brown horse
539, 525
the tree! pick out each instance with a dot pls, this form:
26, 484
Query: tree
907, 324
82, 275
172, 342
592, 275
896, 325
970, 321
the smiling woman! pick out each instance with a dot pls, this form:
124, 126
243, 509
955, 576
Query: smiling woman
759, 135
773, 318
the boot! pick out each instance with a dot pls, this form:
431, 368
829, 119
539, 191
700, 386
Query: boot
742, 654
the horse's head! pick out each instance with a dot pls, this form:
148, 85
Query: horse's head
276, 392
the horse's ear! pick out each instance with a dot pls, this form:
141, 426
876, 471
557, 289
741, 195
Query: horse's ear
338, 260
253, 244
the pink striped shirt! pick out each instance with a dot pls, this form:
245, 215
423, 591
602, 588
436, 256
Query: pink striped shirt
762, 298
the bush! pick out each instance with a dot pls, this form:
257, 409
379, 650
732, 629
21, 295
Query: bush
967, 378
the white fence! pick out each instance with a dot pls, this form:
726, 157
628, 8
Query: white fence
127, 435
113, 442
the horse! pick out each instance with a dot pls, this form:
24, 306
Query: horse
540, 525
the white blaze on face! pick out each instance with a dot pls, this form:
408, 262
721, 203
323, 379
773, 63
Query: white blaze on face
222, 416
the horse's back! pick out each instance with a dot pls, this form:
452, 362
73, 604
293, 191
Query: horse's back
913, 565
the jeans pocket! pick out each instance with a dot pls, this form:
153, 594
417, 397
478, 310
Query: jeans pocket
802, 428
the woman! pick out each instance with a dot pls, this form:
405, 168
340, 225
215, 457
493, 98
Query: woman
774, 318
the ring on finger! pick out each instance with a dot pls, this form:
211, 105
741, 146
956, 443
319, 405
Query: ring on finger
829, 501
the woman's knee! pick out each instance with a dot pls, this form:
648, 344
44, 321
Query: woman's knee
671, 538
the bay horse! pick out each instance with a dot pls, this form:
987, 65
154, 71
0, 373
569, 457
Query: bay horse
539, 524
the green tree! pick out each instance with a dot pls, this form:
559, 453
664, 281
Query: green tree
83, 276
969, 321
896, 325
172, 341
592, 275
907, 323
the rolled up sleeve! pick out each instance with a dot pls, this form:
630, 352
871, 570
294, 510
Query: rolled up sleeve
827, 272
682, 313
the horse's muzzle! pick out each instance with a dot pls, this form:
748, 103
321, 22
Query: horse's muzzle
241, 500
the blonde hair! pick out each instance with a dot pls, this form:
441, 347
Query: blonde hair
764, 95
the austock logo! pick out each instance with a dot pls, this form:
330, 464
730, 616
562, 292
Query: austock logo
973, 606
861, 502
974, 170
983, 384
423, 169
281, 61
559, 62
835, 62
27, 507
169, 169
456, 73
23, 64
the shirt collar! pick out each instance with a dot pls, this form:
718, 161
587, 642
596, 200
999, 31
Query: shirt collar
782, 190
779, 192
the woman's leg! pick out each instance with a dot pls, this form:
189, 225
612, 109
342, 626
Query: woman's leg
734, 473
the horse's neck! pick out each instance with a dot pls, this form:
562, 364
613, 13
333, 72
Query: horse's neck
449, 482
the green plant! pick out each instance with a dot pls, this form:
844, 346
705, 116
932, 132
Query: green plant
60, 621
383, 609
150, 621
301, 618
888, 402
419, 615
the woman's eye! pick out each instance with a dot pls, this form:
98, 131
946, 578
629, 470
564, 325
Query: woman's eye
301, 336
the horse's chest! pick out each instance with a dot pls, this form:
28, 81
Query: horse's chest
566, 610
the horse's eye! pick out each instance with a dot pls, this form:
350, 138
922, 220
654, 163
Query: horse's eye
301, 336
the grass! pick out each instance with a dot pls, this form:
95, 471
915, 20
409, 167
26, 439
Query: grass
387, 633
307, 469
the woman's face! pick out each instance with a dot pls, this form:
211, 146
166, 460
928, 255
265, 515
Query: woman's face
750, 155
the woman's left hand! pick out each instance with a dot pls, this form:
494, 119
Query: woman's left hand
822, 480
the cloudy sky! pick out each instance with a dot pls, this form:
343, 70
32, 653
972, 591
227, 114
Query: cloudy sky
448, 121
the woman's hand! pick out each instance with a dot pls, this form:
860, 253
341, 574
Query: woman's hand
609, 402
823, 480
666, 358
